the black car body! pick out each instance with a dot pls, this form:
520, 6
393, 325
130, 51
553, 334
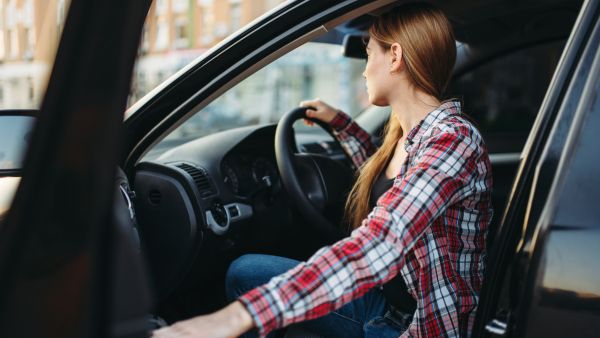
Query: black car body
69, 261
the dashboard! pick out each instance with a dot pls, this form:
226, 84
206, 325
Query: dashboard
202, 190
200, 194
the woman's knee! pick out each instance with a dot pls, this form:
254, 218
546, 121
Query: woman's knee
252, 270
238, 275
240, 267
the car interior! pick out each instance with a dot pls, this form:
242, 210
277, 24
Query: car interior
201, 204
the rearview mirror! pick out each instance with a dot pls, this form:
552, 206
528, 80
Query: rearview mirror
354, 46
15, 132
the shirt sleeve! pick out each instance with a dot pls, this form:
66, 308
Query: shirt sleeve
355, 141
375, 252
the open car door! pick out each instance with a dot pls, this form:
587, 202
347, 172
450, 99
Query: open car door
64, 262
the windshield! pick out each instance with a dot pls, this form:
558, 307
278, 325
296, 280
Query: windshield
311, 70
176, 32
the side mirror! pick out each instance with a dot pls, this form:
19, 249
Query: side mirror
354, 46
15, 133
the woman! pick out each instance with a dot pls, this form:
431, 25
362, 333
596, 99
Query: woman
420, 208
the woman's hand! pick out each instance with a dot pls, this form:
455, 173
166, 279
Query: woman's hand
322, 111
231, 321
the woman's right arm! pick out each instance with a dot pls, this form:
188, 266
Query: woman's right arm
444, 172
355, 141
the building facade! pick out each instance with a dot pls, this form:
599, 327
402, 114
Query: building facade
176, 32
28, 39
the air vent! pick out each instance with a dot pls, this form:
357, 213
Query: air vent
200, 177
154, 197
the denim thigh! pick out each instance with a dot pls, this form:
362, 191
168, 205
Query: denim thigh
366, 316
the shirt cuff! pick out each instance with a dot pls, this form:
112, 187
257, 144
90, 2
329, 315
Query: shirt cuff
261, 310
341, 121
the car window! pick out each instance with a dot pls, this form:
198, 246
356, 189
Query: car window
503, 96
312, 70
179, 31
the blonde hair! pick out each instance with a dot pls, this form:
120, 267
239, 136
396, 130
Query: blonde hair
429, 53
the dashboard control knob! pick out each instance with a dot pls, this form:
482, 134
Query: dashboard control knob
220, 214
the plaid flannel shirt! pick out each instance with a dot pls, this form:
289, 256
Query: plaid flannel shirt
430, 227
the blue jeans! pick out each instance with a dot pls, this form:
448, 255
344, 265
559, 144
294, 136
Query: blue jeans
367, 316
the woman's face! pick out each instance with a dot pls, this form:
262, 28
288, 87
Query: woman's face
377, 74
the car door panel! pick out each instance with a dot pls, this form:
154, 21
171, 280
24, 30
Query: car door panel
504, 285
56, 241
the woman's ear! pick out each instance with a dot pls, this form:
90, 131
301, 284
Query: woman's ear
396, 58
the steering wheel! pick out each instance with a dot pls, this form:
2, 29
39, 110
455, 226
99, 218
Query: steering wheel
317, 184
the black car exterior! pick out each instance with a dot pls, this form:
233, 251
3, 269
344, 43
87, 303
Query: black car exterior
544, 281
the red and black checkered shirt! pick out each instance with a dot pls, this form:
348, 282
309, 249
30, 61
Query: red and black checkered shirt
430, 227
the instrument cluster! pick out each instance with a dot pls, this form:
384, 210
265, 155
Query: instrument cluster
246, 174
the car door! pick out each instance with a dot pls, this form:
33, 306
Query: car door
59, 242
510, 297
562, 277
